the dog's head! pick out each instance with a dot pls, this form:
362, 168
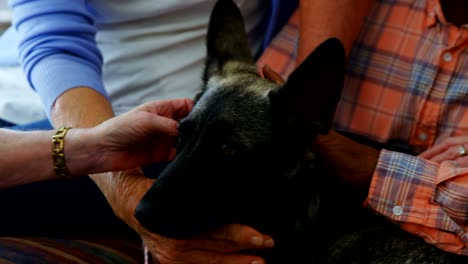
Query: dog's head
245, 136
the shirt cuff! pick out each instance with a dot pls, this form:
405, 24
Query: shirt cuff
402, 188
406, 189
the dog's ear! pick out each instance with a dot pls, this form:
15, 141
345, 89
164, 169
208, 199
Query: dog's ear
226, 39
311, 93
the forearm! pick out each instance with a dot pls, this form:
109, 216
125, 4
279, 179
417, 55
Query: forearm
80, 107
83, 107
322, 19
26, 157
23, 157
350, 162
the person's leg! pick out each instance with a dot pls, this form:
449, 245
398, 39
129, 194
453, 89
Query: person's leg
59, 208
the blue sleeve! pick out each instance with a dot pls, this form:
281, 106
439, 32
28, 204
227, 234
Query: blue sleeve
57, 46
279, 13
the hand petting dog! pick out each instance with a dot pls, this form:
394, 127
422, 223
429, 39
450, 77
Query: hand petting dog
219, 246
144, 135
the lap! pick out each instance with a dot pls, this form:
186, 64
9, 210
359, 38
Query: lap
58, 208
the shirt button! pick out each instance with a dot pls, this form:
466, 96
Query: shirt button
397, 210
447, 57
422, 136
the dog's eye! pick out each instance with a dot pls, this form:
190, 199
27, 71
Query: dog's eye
227, 150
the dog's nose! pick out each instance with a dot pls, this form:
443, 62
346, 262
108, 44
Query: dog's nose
145, 215
171, 219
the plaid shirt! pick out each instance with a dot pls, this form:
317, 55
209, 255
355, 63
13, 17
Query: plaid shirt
406, 86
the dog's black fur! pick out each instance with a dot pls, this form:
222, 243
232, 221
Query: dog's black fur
243, 157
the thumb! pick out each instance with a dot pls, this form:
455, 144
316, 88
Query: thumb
270, 74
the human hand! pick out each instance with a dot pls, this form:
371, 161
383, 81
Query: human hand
125, 189
452, 148
144, 135
351, 162
224, 245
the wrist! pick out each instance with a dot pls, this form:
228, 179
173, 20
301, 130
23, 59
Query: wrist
80, 152
123, 190
350, 162
81, 107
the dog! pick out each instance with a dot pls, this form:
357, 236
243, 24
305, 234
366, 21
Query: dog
244, 157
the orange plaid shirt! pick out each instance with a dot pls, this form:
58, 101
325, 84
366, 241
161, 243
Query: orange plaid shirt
406, 87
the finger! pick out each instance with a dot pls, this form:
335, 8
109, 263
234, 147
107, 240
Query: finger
444, 146
171, 108
241, 234
462, 162
431, 152
270, 74
450, 153
233, 238
208, 257
172, 154
161, 125
234, 259
181, 108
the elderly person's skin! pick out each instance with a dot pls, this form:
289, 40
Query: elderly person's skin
142, 136
351, 162
124, 189
321, 20
84, 107
455, 11
341, 153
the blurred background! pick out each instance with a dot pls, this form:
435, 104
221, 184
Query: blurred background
19, 104
5, 15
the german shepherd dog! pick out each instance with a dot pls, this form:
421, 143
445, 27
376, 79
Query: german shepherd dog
244, 157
